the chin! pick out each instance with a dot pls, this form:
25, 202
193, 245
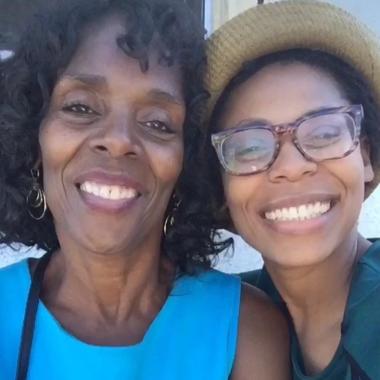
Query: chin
298, 257
293, 261
104, 247
99, 241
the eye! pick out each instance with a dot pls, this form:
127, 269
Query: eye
323, 136
255, 151
157, 126
250, 145
79, 109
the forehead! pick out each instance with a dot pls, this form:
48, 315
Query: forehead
99, 54
281, 93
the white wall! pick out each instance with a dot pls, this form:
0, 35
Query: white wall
217, 11
368, 11
4, 54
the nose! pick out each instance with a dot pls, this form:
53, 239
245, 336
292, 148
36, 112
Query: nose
118, 138
290, 164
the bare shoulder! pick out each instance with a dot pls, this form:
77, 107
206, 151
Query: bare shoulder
263, 342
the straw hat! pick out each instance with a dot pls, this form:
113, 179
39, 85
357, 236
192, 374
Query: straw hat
289, 24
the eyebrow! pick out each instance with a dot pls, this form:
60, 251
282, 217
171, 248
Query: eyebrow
87, 79
100, 81
319, 109
164, 96
244, 122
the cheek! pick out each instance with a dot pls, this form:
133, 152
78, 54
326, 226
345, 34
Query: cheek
166, 161
57, 145
238, 192
242, 203
351, 173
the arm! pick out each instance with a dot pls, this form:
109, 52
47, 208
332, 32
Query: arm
263, 342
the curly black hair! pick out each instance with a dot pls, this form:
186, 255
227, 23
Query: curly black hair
352, 84
26, 84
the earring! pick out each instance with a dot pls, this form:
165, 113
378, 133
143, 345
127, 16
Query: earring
169, 221
36, 200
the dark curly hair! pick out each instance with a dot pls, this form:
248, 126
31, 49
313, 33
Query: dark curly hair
353, 85
26, 84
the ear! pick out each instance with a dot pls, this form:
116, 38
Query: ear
368, 169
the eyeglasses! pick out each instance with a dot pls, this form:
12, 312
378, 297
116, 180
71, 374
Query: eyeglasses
323, 135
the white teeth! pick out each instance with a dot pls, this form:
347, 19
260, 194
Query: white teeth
108, 192
299, 213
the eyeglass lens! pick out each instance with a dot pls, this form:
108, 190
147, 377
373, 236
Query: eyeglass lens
318, 138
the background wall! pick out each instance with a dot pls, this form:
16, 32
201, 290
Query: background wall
13, 16
219, 11
15, 13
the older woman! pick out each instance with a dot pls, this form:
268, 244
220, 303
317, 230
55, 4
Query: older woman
295, 100
99, 111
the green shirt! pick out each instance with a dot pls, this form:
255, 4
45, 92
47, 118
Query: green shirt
358, 354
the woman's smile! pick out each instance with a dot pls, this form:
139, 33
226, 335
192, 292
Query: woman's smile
306, 211
106, 192
300, 214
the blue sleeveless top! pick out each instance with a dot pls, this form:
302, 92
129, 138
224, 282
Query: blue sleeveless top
194, 335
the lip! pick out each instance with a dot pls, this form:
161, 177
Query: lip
298, 200
302, 227
103, 177
109, 178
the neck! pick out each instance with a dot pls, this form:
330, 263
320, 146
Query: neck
309, 288
107, 288
316, 298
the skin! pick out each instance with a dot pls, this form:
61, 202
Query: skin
302, 258
109, 281
263, 341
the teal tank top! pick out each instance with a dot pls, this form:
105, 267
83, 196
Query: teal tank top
358, 354
193, 337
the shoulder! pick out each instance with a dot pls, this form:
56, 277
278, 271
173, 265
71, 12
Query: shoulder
361, 326
217, 278
255, 305
251, 277
14, 288
14, 273
371, 258
263, 342
211, 281
211, 290
365, 286
14, 282
208, 305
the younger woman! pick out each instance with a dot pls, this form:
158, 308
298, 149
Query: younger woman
294, 120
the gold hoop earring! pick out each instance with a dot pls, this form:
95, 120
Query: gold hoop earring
169, 220
36, 199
